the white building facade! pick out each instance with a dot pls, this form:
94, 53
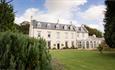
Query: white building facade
59, 36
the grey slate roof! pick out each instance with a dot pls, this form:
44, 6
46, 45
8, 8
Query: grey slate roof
44, 25
82, 29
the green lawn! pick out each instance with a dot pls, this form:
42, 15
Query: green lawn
82, 60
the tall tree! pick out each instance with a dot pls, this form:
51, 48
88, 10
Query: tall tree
6, 16
23, 27
110, 23
93, 31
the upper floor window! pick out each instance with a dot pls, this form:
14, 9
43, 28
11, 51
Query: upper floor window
71, 28
72, 35
58, 35
57, 26
49, 34
83, 35
66, 35
38, 24
39, 33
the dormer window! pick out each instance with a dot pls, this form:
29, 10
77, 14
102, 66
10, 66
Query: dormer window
79, 29
57, 26
48, 25
38, 24
71, 28
65, 27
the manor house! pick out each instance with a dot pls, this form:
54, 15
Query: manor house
59, 36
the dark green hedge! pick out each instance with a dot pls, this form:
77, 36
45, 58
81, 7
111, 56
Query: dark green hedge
19, 52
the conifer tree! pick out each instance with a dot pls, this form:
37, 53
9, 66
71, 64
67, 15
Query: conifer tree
110, 23
6, 16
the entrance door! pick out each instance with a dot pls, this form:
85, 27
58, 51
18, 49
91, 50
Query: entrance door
58, 46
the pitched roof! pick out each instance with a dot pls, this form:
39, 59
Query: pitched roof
53, 26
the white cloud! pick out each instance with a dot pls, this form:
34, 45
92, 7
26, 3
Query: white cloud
57, 9
39, 15
27, 15
62, 5
94, 12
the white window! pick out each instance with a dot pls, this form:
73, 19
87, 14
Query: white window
66, 35
58, 35
38, 24
83, 34
49, 34
72, 35
71, 28
65, 27
39, 33
57, 26
77, 35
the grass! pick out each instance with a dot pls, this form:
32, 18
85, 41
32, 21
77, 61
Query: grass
82, 60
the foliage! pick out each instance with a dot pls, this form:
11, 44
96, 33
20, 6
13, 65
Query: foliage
110, 23
23, 27
93, 31
7, 16
100, 48
19, 52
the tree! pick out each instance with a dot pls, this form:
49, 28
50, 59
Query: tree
109, 20
93, 31
103, 46
6, 16
23, 27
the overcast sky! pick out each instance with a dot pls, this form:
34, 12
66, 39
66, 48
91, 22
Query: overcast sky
89, 12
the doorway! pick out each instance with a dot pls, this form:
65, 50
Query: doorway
58, 46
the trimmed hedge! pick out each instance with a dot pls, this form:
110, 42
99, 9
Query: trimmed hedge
19, 52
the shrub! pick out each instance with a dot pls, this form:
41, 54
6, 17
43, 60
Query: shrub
19, 52
65, 48
54, 48
100, 48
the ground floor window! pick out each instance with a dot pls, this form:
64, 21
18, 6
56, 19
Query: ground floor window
79, 44
91, 43
83, 45
72, 44
95, 44
49, 44
87, 44
66, 44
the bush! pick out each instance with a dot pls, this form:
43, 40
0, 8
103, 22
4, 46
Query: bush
19, 52
100, 48
54, 48
65, 48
